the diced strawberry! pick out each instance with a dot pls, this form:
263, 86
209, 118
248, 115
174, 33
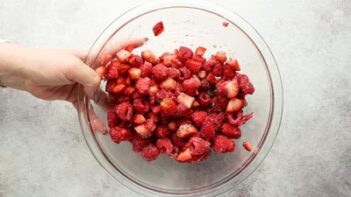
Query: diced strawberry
210, 64
120, 134
111, 72
177, 141
150, 153
139, 143
124, 111
165, 146
149, 56
143, 85
134, 73
135, 60
161, 94
234, 64
221, 56
159, 72
184, 156
219, 103
230, 131
247, 146
199, 146
176, 63
123, 55
143, 131
162, 131
167, 58
191, 85
225, 24
123, 69
168, 107
211, 78
205, 85
235, 105
200, 51
146, 69
138, 119
223, 144
184, 53
158, 28
153, 90
217, 119
198, 117
245, 84
185, 100
193, 65
150, 125
228, 72
218, 70
169, 84
186, 130
228, 88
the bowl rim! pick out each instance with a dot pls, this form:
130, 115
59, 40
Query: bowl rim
271, 130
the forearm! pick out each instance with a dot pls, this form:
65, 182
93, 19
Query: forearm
11, 65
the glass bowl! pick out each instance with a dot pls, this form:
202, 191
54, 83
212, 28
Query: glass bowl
192, 24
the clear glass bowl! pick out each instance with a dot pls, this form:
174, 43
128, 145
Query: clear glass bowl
190, 23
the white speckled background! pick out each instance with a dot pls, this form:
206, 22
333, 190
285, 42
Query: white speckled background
42, 151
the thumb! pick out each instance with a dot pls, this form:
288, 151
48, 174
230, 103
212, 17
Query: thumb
84, 75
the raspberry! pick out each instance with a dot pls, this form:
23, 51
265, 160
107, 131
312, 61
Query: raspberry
173, 73
230, 131
211, 78
199, 146
240, 119
167, 58
120, 134
210, 64
139, 143
162, 131
198, 117
165, 146
208, 129
218, 70
146, 69
162, 94
150, 153
193, 65
135, 60
159, 72
217, 119
205, 85
182, 111
185, 74
169, 84
245, 84
219, 103
140, 107
223, 144
124, 111
112, 118
204, 100
112, 72
168, 107
149, 56
228, 73
143, 85
172, 126
184, 53
191, 85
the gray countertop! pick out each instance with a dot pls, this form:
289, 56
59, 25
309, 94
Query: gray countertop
42, 151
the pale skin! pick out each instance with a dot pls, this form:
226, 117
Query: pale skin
52, 74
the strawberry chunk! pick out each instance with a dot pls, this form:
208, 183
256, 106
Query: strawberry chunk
199, 146
185, 100
223, 144
208, 129
150, 153
168, 107
200, 51
123, 55
149, 56
245, 84
143, 85
165, 146
186, 130
230, 131
124, 111
184, 156
159, 72
185, 53
198, 117
247, 146
193, 65
158, 28
120, 134
235, 105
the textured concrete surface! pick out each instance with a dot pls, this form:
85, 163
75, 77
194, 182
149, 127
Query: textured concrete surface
42, 152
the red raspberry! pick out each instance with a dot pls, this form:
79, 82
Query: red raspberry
162, 131
218, 70
223, 144
204, 100
150, 153
123, 69
210, 64
112, 72
228, 72
184, 53
162, 94
185, 74
124, 111
139, 143
230, 131
146, 69
240, 119
199, 146
140, 107
168, 107
112, 118
191, 85
198, 117
159, 72
177, 141
217, 119
205, 85
173, 73
120, 134
182, 110
219, 103
211, 79
143, 85
193, 65
208, 129
165, 146
186, 130
245, 84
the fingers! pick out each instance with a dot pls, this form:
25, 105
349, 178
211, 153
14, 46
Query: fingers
84, 75
114, 47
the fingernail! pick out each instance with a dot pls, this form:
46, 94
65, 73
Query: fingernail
146, 39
